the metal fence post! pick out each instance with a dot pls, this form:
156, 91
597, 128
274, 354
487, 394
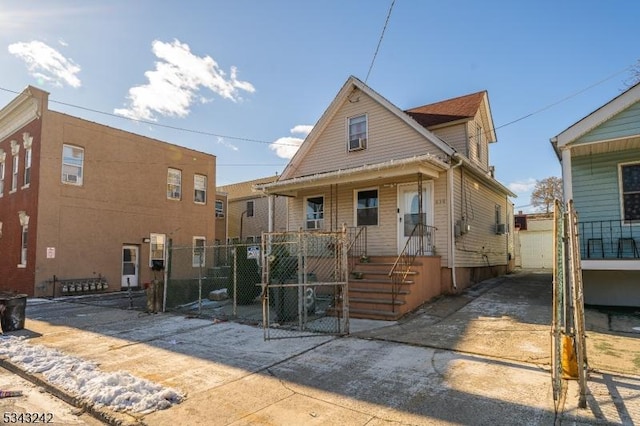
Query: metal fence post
235, 280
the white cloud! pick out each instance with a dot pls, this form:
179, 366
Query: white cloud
523, 186
222, 141
47, 64
175, 82
287, 146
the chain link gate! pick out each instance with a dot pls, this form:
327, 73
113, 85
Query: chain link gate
569, 359
304, 284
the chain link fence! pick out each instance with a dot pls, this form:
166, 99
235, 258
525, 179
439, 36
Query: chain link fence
305, 278
222, 282
288, 282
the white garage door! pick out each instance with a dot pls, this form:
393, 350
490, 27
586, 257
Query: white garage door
536, 249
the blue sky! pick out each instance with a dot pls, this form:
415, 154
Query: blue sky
241, 75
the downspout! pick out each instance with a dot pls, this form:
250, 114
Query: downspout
452, 216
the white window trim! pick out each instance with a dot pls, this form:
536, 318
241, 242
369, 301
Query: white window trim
170, 195
366, 132
219, 212
355, 205
479, 142
319, 222
195, 188
3, 167
155, 237
24, 226
15, 172
203, 259
28, 160
80, 177
621, 190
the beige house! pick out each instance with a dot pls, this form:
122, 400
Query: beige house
221, 208
86, 207
248, 210
417, 182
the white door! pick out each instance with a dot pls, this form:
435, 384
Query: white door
130, 266
408, 213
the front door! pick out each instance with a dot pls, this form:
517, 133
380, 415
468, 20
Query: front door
130, 266
409, 212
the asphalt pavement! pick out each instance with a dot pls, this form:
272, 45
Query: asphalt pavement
478, 358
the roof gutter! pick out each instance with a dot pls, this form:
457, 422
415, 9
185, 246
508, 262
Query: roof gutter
339, 175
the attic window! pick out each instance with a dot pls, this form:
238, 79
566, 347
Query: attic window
357, 132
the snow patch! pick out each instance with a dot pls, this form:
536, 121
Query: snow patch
118, 391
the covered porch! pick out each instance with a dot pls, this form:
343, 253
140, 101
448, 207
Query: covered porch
393, 219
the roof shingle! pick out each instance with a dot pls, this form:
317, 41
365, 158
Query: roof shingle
462, 107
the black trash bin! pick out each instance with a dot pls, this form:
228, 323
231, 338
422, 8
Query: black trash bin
286, 301
12, 311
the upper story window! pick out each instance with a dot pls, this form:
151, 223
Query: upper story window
174, 184
3, 158
357, 138
27, 167
219, 208
314, 214
367, 207
200, 189
72, 164
479, 142
27, 142
14, 173
630, 185
249, 208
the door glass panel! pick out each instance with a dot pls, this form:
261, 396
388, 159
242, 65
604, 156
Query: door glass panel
128, 269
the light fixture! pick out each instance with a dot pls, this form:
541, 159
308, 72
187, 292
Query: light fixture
146, 240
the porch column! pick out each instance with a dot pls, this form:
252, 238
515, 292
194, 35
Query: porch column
270, 213
567, 187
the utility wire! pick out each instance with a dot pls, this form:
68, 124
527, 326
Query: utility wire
386, 22
566, 98
201, 132
153, 123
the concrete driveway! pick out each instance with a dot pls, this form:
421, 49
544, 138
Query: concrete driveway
478, 358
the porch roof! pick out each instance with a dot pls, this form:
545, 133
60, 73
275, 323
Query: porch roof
426, 164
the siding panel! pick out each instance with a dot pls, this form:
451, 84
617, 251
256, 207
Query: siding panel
624, 124
596, 191
388, 137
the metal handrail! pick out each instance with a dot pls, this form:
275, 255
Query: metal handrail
609, 239
414, 247
357, 244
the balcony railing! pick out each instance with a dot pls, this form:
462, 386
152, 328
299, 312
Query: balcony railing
609, 239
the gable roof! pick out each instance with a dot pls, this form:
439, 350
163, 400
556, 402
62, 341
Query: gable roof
462, 107
596, 118
349, 86
240, 190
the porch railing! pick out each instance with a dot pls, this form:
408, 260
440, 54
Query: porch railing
419, 243
609, 239
356, 244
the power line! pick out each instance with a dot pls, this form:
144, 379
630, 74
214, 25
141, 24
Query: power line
566, 98
386, 22
153, 123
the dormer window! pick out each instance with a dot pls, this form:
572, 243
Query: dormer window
357, 132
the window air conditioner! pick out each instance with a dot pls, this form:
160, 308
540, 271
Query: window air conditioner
70, 178
500, 228
357, 144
